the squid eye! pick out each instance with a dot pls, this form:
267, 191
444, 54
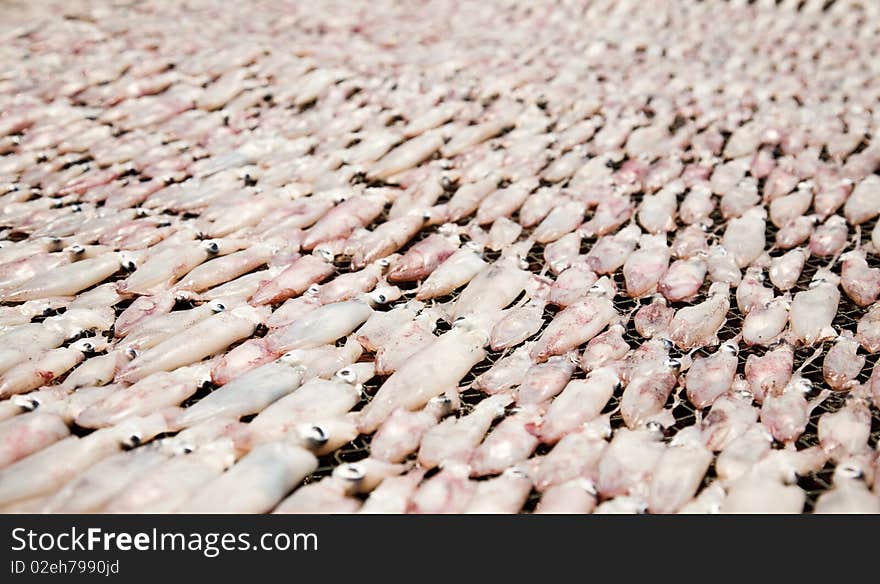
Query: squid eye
655, 426
444, 401
217, 306
88, 347
851, 471
131, 353
351, 472
325, 254
313, 289
517, 472
384, 263
667, 343
346, 375
128, 264
28, 404
132, 441
212, 247
589, 487
77, 249
316, 436
673, 364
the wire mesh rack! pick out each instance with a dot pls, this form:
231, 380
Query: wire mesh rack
684, 413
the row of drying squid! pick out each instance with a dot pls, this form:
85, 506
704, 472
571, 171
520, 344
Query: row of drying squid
207, 256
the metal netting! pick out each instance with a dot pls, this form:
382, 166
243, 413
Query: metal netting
685, 414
